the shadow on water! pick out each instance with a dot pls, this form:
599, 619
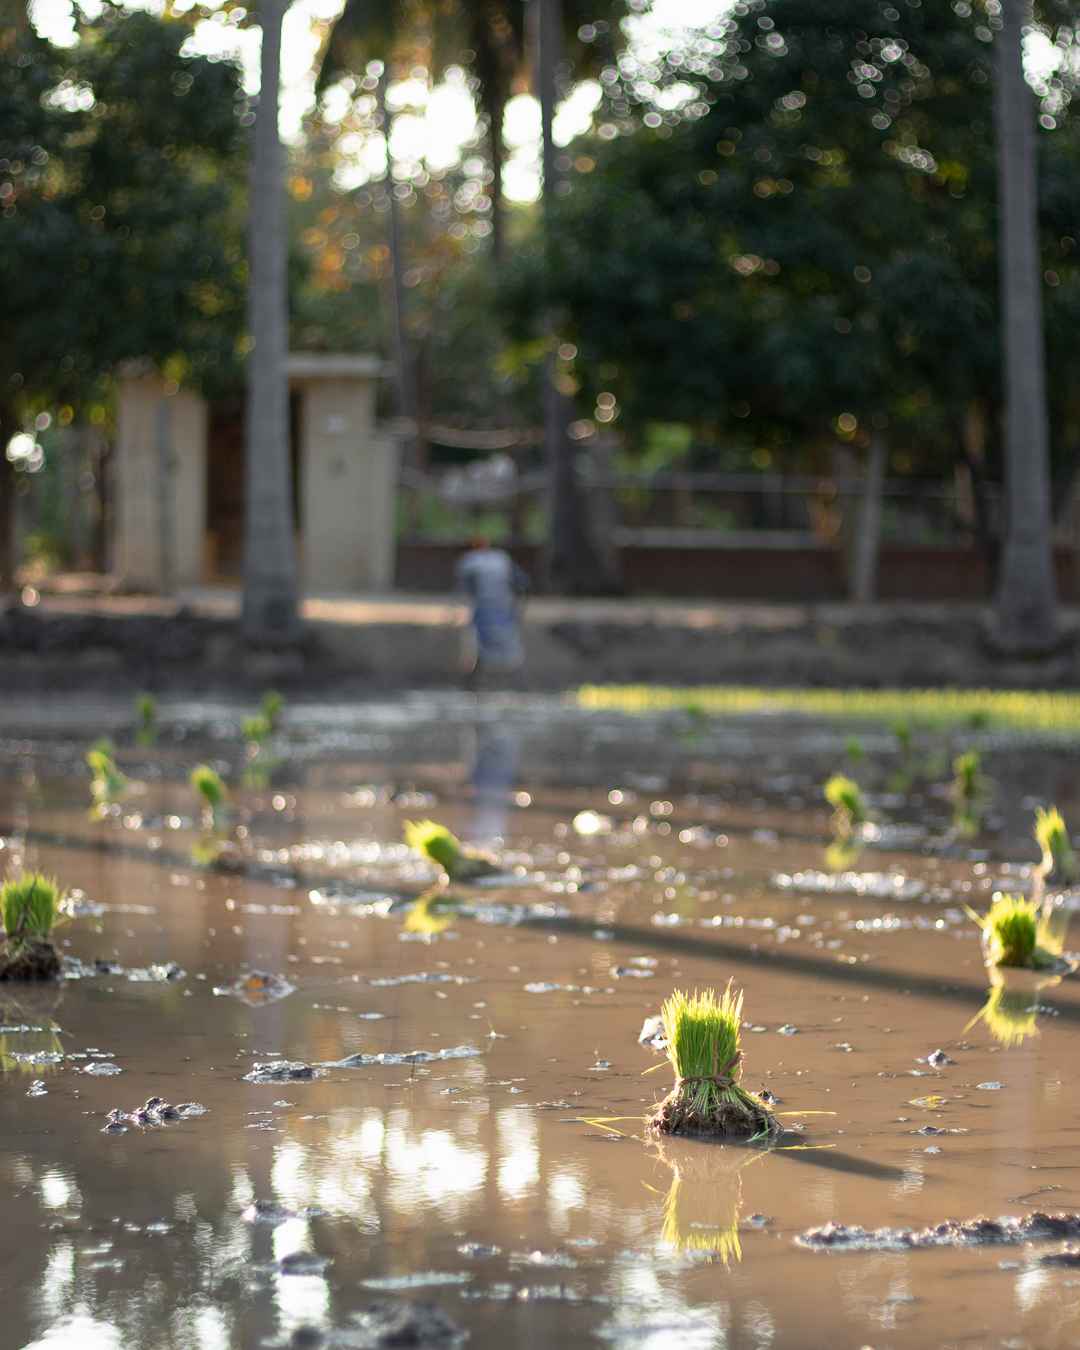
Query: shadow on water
716, 949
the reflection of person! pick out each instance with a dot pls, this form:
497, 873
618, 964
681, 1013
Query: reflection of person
494, 583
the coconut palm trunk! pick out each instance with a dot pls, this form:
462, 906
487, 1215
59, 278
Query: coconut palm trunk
570, 564
1026, 598
8, 427
405, 386
270, 611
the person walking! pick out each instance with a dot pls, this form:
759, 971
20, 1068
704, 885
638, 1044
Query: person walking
494, 585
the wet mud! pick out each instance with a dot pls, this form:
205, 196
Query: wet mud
423, 1112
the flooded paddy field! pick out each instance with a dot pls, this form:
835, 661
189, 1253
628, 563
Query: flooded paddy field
450, 1139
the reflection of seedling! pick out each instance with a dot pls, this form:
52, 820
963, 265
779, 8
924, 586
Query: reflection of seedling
849, 808
207, 850
273, 704
208, 783
703, 1033
1012, 933
1058, 866
30, 909
444, 849
430, 915
842, 855
701, 1209
146, 713
107, 783
1010, 1015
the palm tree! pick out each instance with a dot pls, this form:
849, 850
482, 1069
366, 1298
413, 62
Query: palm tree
368, 30
270, 609
571, 563
1026, 598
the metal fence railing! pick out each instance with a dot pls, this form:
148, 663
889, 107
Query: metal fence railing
491, 497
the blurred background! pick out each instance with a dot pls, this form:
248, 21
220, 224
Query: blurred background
671, 298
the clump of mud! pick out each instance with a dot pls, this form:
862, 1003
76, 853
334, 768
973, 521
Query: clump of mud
29, 960
405, 1324
980, 1232
281, 1071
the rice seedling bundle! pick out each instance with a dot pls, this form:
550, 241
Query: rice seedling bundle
273, 704
146, 711
1058, 866
967, 780
849, 807
443, 848
29, 909
703, 1032
256, 729
209, 785
1012, 933
107, 783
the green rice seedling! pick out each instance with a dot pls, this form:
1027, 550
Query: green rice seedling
107, 784
1058, 866
273, 705
968, 790
444, 849
210, 787
256, 729
146, 719
904, 734
1011, 931
29, 909
967, 784
849, 807
1053, 713
703, 1032
853, 748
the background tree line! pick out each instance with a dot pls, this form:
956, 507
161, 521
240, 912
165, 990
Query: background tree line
782, 234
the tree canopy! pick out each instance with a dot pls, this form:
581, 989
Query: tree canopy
806, 244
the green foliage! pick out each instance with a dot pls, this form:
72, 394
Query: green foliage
29, 908
1011, 933
146, 717
812, 234
123, 230
845, 797
1058, 859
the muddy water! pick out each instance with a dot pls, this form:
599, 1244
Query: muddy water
477, 1175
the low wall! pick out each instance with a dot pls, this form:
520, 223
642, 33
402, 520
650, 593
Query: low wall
803, 573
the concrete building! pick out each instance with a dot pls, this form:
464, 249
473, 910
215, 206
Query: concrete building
178, 481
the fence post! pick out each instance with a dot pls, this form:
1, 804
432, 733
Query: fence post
868, 528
